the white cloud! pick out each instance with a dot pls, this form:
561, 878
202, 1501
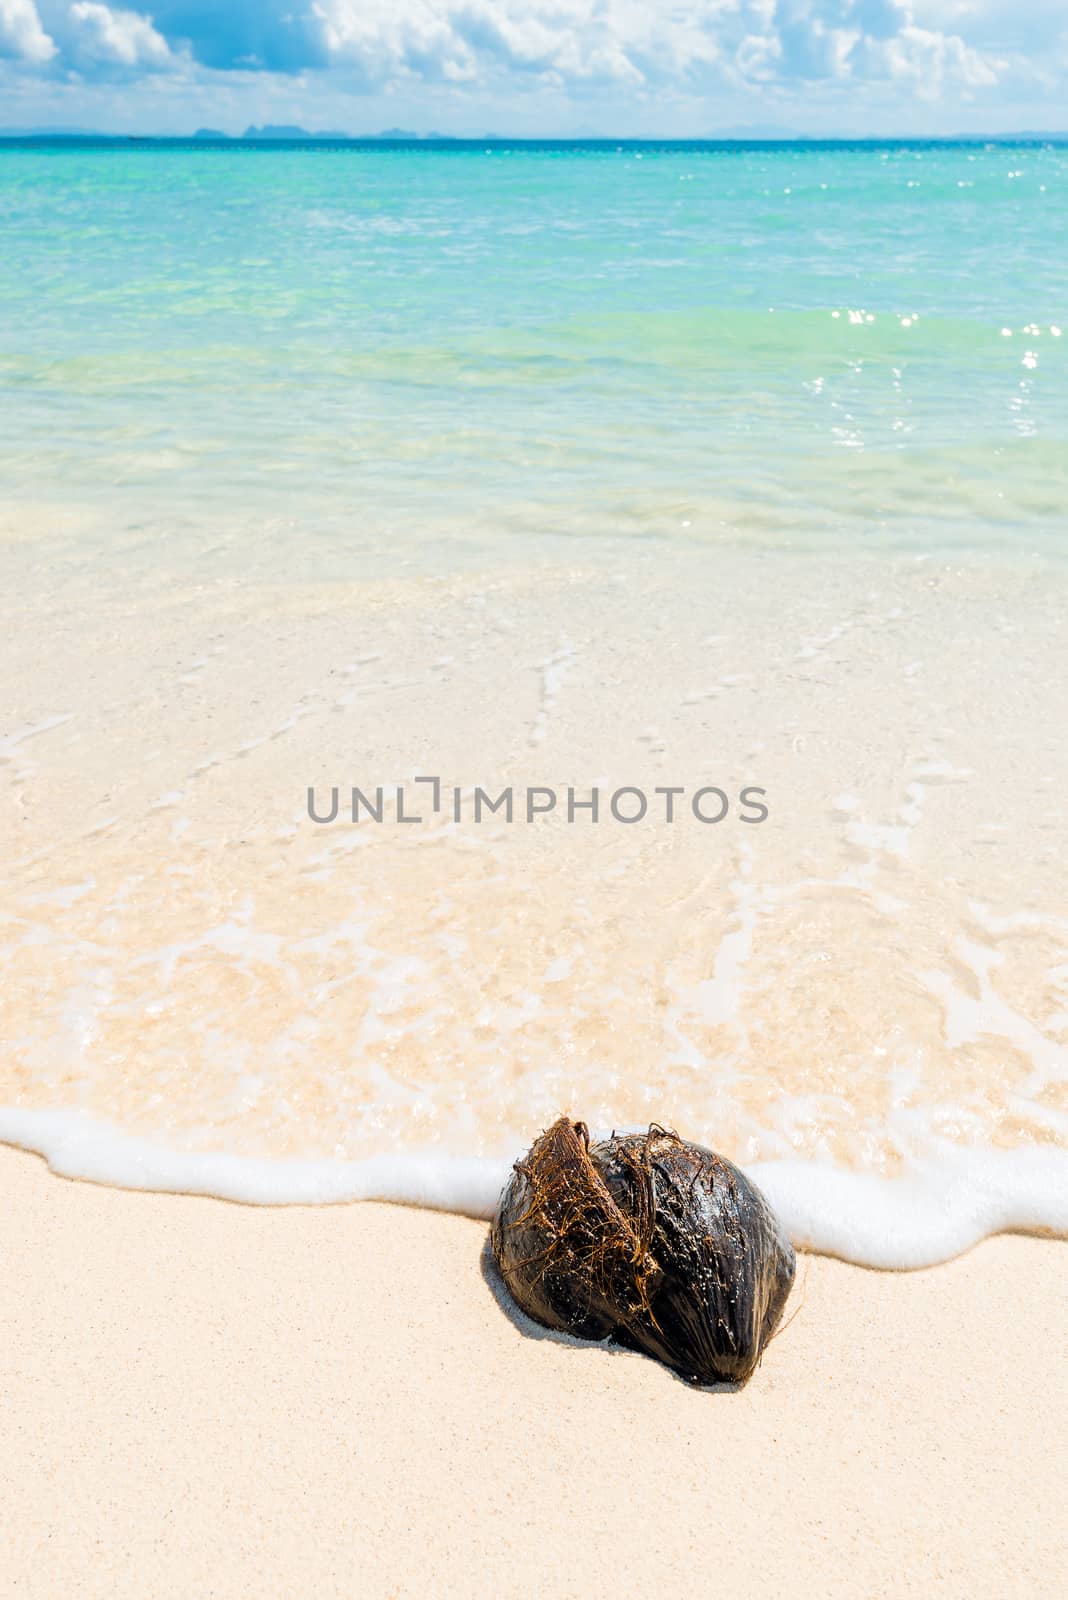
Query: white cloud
930, 60
525, 65
125, 38
690, 45
21, 33
555, 41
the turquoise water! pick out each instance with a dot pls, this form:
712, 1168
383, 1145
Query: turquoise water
583, 467
793, 345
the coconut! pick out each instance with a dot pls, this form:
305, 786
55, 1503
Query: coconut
659, 1244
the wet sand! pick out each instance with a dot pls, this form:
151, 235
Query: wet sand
872, 972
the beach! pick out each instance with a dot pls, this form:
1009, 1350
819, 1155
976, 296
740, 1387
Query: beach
210, 989
489, 635
237, 1400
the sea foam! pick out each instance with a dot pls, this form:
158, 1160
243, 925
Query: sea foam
941, 1208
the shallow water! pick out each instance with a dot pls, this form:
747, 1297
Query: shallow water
790, 345
539, 469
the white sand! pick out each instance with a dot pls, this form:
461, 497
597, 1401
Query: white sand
204, 1399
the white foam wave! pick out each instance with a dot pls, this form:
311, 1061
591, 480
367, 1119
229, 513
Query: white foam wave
941, 1208
76, 1145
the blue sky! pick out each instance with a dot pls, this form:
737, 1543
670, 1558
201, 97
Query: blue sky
564, 67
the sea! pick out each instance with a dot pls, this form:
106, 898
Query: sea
498, 629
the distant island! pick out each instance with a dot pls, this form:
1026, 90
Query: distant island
285, 130
270, 130
292, 131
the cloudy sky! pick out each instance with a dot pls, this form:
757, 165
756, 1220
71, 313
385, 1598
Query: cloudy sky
563, 67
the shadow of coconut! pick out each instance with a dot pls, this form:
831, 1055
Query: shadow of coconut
608, 1347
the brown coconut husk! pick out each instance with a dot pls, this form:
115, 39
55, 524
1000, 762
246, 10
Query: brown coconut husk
658, 1243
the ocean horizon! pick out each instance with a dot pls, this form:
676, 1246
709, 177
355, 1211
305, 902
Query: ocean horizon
280, 135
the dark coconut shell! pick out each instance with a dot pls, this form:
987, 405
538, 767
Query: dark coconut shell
658, 1243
